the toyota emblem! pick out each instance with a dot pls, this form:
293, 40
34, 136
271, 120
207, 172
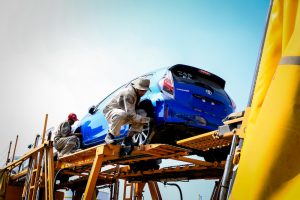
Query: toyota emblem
208, 92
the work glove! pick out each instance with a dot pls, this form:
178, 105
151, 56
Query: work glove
78, 134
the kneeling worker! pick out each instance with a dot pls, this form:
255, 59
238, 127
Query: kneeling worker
66, 142
122, 110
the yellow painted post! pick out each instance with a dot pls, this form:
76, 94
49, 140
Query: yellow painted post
30, 172
7, 159
45, 127
157, 190
37, 175
154, 190
90, 187
139, 190
50, 166
116, 184
269, 165
40, 159
13, 157
126, 184
46, 174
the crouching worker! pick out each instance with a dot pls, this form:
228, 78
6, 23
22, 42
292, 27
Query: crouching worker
66, 142
123, 110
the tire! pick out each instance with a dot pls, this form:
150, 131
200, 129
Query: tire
144, 137
216, 154
147, 133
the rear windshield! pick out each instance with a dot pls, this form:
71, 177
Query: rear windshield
192, 75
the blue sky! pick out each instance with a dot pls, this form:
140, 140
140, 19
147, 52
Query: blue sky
58, 57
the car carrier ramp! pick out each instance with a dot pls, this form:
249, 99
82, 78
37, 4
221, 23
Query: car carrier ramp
111, 155
84, 170
207, 141
87, 165
215, 139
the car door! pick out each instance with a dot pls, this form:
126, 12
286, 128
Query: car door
94, 125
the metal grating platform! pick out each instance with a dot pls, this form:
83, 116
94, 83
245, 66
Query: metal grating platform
172, 173
111, 155
176, 173
207, 141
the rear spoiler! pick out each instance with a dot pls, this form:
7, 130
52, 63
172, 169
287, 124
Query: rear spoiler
205, 74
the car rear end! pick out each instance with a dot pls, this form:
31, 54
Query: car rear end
194, 98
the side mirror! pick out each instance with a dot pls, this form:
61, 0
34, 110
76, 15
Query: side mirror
92, 110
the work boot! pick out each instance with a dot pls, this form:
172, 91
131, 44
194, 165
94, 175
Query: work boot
127, 146
126, 150
128, 141
59, 155
110, 139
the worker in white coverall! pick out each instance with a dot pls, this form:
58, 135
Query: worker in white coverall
66, 142
122, 109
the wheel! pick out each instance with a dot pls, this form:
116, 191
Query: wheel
143, 137
147, 133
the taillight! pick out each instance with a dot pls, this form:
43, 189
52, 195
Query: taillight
168, 86
204, 72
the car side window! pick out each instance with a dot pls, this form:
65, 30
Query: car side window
148, 76
100, 106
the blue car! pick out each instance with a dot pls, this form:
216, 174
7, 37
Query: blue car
183, 101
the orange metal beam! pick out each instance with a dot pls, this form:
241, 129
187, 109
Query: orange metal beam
207, 141
195, 161
139, 186
154, 190
91, 184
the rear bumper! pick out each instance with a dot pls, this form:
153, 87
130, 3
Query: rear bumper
170, 112
170, 133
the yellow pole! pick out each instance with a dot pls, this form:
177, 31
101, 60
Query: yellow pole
13, 157
50, 166
139, 190
39, 163
7, 159
91, 184
45, 127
